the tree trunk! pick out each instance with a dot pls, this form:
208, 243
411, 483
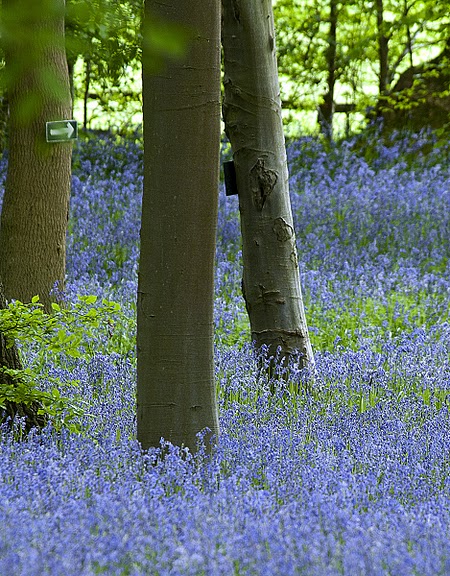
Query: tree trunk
327, 108
420, 98
36, 202
175, 363
9, 358
252, 115
87, 86
383, 50
71, 71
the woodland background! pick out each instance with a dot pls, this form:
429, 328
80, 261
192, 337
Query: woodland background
363, 56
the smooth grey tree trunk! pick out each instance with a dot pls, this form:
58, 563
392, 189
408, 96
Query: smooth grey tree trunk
176, 396
253, 123
36, 201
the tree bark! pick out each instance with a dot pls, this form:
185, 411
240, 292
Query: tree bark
36, 202
253, 123
175, 363
4, 112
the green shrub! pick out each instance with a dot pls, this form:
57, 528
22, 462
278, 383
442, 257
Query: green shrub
68, 332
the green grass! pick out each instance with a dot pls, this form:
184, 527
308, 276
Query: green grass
356, 318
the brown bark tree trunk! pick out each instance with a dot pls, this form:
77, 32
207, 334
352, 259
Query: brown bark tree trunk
36, 202
175, 353
253, 123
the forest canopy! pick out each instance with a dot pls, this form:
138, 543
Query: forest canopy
342, 63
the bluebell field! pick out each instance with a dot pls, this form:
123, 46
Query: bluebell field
353, 478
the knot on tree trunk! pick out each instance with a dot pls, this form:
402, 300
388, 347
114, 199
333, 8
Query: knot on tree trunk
262, 182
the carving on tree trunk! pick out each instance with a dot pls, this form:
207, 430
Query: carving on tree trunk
262, 182
282, 229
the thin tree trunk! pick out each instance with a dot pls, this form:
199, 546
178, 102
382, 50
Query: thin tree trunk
383, 50
175, 355
71, 71
252, 115
327, 108
36, 202
87, 86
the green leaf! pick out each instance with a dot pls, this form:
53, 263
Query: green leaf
92, 299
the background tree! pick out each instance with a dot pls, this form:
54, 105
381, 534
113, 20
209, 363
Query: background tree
326, 111
301, 37
375, 43
383, 37
252, 115
426, 85
175, 370
106, 36
36, 201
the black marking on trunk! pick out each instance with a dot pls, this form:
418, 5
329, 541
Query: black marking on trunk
229, 172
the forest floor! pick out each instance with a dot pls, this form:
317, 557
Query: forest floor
352, 478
